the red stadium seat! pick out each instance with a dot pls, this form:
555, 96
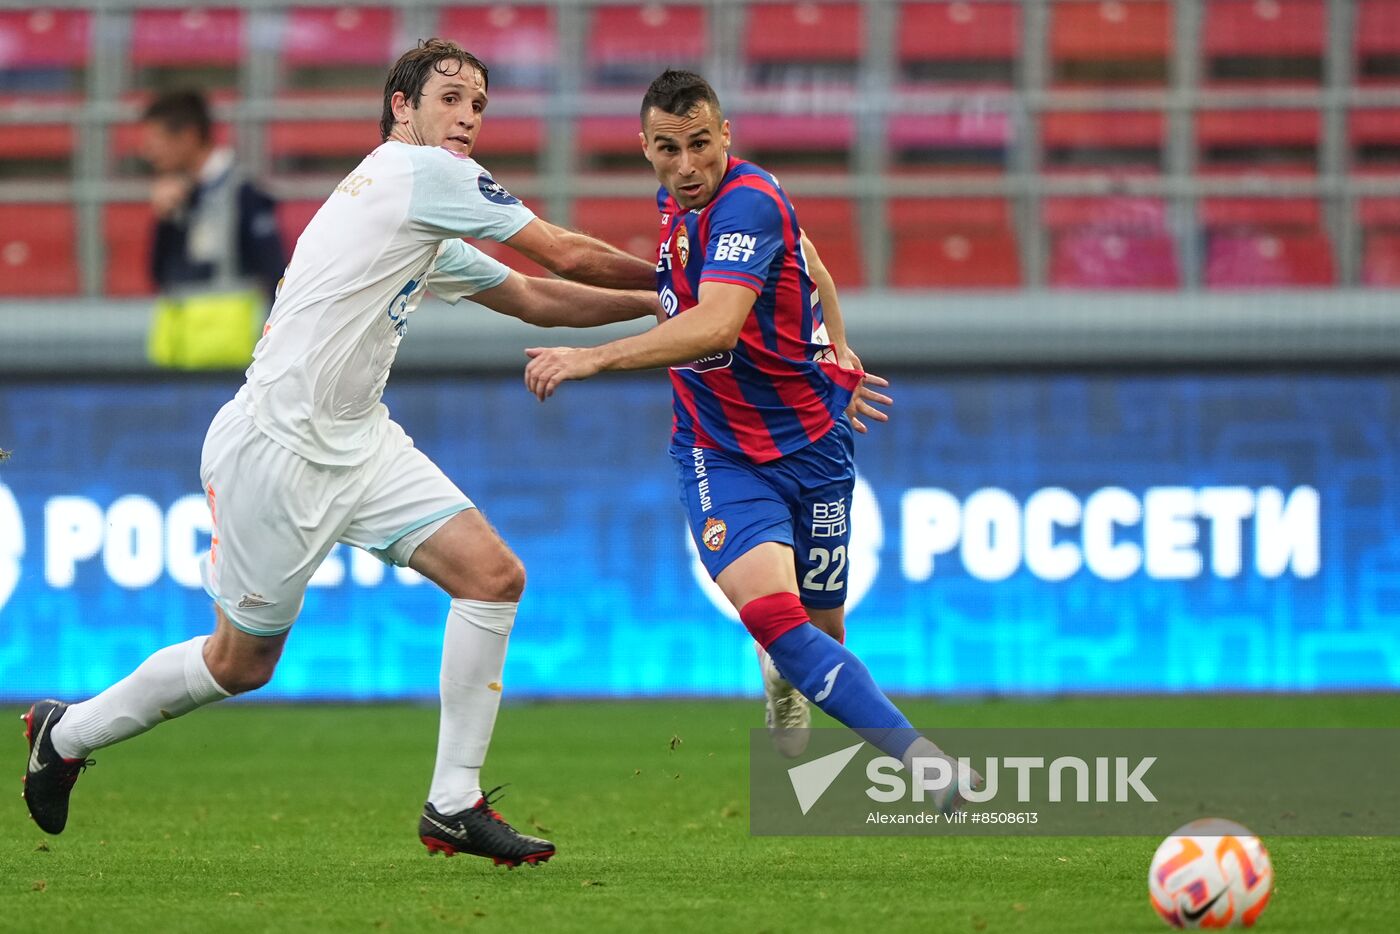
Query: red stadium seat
966, 140
1275, 41
1259, 208
972, 259
610, 144
1231, 138
36, 150
911, 215
958, 42
791, 143
1380, 264
518, 44
1112, 259
349, 48
1110, 242
1261, 213
44, 51
1076, 138
804, 43
355, 35
1268, 260
185, 37
324, 146
1379, 212
629, 45
613, 135
627, 223
127, 229
195, 46
1265, 27
1111, 42
1115, 212
953, 243
37, 250
804, 32
1375, 138
1377, 41
832, 226
43, 54
1266, 127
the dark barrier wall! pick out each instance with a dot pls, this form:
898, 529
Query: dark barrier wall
1011, 533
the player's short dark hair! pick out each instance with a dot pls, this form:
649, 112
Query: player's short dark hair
179, 110
678, 93
411, 72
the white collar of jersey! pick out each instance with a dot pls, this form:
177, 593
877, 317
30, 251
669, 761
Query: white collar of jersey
216, 166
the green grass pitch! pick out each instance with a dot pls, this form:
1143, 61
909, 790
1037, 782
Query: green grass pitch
269, 818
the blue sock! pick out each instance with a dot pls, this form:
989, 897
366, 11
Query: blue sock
830, 676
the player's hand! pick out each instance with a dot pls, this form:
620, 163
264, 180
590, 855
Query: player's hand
550, 366
168, 195
865, 398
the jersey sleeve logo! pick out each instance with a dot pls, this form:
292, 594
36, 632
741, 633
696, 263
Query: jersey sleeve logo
494, 191
735, 248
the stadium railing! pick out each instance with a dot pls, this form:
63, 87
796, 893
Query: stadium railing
932, 144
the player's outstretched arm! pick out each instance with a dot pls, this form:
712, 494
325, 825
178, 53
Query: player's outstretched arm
582, 258
713, 325
831, 303
865, 398
549, 303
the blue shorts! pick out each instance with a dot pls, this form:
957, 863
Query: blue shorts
802, 500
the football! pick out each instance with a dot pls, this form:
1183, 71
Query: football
1210, 873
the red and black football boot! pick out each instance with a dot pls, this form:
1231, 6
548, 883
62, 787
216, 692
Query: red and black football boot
48, 782
480, 831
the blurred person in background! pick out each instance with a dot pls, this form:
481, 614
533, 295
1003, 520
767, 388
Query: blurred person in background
216, 255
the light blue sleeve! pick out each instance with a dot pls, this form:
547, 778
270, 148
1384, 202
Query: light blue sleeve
461, 270
453, 196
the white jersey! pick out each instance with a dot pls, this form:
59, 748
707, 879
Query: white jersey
388, 232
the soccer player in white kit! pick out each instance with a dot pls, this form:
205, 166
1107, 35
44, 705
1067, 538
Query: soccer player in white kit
305, 455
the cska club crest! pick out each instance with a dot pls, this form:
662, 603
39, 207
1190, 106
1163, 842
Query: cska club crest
713, 533
683, 251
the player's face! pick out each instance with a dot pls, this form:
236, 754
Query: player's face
450, 110
689, 153
168, 151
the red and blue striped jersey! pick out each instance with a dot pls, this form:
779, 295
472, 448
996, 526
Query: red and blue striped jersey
779, 389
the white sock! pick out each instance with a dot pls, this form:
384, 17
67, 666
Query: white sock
169, 684
473, 657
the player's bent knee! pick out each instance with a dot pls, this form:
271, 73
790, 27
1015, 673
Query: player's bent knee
508, 581
497, 579
240, 678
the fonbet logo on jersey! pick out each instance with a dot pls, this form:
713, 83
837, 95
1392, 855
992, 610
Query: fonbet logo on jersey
11, 544
862, 557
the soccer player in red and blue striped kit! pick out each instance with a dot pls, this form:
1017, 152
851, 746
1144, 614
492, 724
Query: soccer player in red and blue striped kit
762, 441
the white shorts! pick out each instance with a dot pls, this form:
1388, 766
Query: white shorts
277, 515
